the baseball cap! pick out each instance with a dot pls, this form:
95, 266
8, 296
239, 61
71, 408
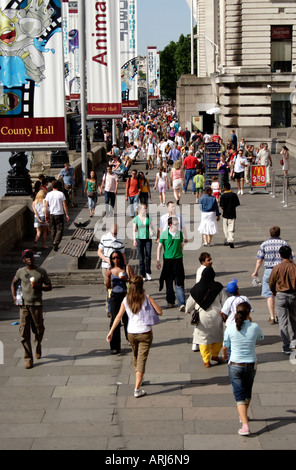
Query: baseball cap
28, 254
232, 286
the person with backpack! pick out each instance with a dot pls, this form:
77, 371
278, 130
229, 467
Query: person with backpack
132, 192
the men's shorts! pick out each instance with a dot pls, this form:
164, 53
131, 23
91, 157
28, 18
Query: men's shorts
239, 176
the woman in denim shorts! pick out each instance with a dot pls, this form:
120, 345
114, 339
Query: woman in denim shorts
241, 337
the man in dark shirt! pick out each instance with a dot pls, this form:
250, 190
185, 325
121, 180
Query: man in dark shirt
282, 283
34, 281
229, 201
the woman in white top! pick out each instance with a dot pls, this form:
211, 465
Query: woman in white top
139, 334
285, 155
162, 182
39, 219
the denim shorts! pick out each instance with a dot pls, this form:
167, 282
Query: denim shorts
266, 292
242, 378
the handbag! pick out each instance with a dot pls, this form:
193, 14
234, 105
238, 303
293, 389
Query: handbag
195, 317
91, 194
281, 161
149, 314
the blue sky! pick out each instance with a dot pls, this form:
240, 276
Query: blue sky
161, 21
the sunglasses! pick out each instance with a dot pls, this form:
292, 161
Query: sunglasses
115, 257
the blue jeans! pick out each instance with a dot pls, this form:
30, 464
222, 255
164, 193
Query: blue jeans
242, 378
189, 175
170, 293
144, 252
134, 201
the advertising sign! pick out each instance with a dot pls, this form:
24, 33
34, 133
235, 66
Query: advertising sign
258, 176
153, 73
73, 52
103, 59
128, 47
32, 78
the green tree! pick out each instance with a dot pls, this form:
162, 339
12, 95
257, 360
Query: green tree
168, 75
175, 60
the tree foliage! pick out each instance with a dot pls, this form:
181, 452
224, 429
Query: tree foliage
175, 60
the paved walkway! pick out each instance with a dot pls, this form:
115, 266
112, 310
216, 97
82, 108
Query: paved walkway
78, 396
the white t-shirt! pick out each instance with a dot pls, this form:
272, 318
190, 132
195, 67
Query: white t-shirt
163, 223
239, 163
108, 244
229, 307
135, 320
55, 201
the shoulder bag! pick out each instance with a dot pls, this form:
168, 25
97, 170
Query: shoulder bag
149, 314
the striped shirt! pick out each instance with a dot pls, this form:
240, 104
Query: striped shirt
269, 252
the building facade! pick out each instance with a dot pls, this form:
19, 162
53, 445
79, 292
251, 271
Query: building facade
246, 68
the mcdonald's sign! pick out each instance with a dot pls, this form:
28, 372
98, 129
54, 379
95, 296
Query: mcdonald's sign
258, 176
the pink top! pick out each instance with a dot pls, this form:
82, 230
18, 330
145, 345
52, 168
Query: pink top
110, 182
177, 174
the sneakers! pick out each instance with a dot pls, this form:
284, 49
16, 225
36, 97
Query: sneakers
182, 308
244, 431
148, 277
170, 305
139, 393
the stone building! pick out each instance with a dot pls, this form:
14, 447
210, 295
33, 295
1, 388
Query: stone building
247, 68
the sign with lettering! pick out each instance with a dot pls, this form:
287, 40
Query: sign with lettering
103, 59
128, 49
153, 73
32, 88
258, 176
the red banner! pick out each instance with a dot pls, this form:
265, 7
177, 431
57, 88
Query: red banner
18, 130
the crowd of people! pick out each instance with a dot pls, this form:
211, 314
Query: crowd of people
220, 316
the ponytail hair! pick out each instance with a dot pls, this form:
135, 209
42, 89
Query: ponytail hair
242, 312
136, 294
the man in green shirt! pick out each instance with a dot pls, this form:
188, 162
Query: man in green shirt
34, 281
171, 241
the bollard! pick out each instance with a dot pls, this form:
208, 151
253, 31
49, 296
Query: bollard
272, 183
285, 191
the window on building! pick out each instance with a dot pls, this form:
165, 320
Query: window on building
281, 110
281, 48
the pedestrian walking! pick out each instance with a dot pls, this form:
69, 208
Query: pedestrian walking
132, 192
229, 201
210, 215
162, 183
110, 183
190, 164
40, 223
177, 180
56, 207
33, 280
91, 191
282, 283
142, 233
241, 337
110, 242
269, 255
140, 334
171, 242
209, 297
117, 277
